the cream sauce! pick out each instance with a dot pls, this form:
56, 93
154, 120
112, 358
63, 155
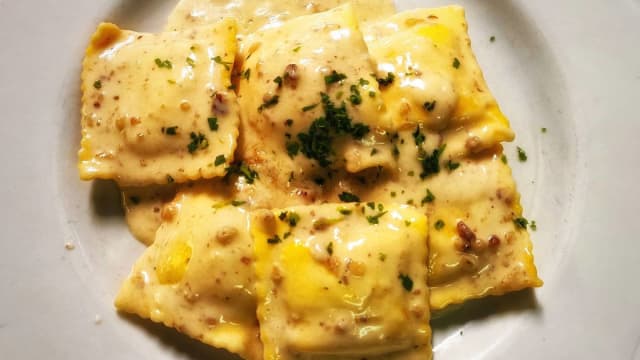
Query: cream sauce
253, 15
338, 284
197, 276
147, 101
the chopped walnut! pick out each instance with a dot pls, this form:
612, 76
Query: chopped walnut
226, 234
291, 76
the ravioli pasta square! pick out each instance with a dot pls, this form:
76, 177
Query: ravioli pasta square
198, 274
438, 82
342, 281
478, 248
308, 84
157, 109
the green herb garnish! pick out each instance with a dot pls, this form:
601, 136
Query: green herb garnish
273, 101
218, 60
198, 142
522, 156
213, 123
348, 197
374, 219
407, 283
428, 198
386, 81
163, 63
220, 159
334, 77
439, 224
456, 63
430, 163
429, 105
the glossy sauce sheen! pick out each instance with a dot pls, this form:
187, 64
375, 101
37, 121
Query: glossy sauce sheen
147, 101
336, 284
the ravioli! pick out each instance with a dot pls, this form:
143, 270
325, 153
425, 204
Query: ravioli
157, 109
477, 192
253, 15
198, 275
342, 281
438, 82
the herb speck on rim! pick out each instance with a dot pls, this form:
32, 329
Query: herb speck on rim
522, 155
456, 63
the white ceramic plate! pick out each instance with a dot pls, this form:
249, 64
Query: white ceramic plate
571, 66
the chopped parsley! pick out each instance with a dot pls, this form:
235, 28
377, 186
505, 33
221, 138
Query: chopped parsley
386, 81
418, 136
355, 97
452, 165
372, 94
492, 38
428, 198
292, 148
171, 130
371, 205
278, 80
348, 197
429, 105
430, 163
246, 74
198, 142
503, 158
97, 84
374, 219
439, 224
344, 211
213, 123
191, 62
456, 63
288, 122
309, 107
334, 77
533, 226
373, 151
274, 240
297, 48
363, 82
170, 179
407, 283
163, 63
293, 218
330, 248
273, 101
237, 202
521, 222
522, 156
220, 159
244, 170
317, 142
218, 60
543, 130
